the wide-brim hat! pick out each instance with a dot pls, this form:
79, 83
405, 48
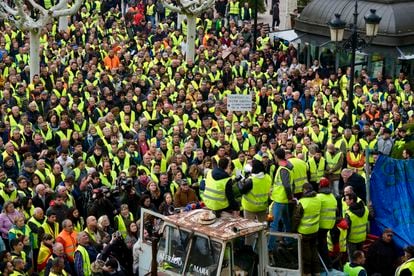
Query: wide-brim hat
206, 218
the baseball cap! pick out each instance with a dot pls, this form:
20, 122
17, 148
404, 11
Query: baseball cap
324, 182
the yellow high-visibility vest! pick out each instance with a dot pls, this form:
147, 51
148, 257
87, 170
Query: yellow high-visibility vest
215, 193
278, 193
256, 199
316, 173
309, 223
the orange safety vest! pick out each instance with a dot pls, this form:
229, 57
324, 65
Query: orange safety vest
355, 161
69, 244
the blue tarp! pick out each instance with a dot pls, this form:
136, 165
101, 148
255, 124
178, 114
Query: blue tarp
392, 196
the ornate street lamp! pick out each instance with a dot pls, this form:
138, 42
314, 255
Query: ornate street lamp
337, 27
372, 23
354, 42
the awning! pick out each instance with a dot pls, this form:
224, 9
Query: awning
406, 52
288, 35
301, 37
402, 53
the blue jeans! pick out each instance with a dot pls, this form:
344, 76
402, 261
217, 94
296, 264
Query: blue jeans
151, 18
280, 211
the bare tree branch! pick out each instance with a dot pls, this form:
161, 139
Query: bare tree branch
61, 5
72, 10
206, 5
21, 17
7, 8
184, 4
171, 7
193, 7
3, 14
6, 16
38, 7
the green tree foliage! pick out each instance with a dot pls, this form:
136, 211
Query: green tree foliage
397, 151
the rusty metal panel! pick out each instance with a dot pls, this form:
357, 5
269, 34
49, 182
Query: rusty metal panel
223, 228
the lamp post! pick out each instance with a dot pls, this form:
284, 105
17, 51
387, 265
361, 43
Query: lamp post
256, 7
354, 42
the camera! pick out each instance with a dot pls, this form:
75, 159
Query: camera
172, 211
117, 235
125, 183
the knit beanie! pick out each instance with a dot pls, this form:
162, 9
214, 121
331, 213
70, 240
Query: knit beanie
257, 166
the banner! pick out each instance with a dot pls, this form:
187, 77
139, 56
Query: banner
239, 102
392, 196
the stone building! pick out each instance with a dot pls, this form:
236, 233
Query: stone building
390, 52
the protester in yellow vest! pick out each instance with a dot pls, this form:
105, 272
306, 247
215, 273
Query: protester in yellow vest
355, 267
50, 226
35, 223
337, 241
19, 229
357, 219
108, 176
123, 219
306, 222
316, 168
334, 162
299, 175
233, 10
19, 266
281, 196
349, 139
327, 218
255, 191
45, 252
407, 268
218, 191
150, 12
82, 258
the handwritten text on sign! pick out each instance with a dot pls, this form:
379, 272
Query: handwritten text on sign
236, 102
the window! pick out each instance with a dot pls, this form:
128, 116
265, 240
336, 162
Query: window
172, 250
178, 245
204, 257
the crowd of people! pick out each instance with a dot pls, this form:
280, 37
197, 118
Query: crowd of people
117, 121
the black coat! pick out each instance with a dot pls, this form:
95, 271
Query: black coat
381, 258
37, 202
275, 10
358, 184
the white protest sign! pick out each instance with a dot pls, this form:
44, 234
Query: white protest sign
237, 102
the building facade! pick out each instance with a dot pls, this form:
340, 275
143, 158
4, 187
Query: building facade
390, 52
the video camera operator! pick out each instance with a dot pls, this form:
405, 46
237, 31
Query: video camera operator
133, 174
128, 194
101, 204
86, 186
117, 249
143, 180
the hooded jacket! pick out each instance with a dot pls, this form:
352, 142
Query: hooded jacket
299, 211
218, 174
358, 209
